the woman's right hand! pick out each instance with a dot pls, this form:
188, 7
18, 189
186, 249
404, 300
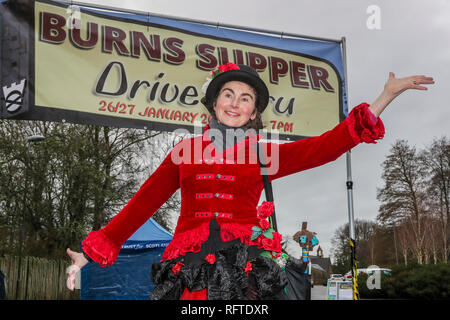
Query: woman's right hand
78, 262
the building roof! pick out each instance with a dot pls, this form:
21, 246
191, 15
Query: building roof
324, 264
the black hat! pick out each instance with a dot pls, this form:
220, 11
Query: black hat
232, 72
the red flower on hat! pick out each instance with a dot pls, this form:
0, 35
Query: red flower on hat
265, 209
225, 67
210, 258
176, 268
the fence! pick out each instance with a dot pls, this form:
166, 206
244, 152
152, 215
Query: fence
37, 279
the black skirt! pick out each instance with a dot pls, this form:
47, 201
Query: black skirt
234, 271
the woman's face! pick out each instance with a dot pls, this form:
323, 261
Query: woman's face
235, 104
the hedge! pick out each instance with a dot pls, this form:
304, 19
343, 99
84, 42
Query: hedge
431, 281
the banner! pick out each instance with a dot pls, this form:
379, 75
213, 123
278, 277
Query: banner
67, 62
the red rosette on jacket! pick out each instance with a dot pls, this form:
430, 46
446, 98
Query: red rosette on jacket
264, 224
265, 210
263, 236
100, 249
361, 126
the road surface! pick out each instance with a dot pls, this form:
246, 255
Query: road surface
319, 293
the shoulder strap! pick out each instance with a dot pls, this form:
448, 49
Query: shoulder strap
267, 185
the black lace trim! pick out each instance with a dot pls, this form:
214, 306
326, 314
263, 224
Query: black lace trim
226, 278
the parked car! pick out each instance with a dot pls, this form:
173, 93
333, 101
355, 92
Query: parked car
370, 271
336, 276
381, 270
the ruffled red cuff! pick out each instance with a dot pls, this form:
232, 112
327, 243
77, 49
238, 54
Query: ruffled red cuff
100, 248
362, 127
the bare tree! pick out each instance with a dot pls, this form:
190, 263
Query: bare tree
436, 160
53, 192
404, 241
404, 192
365, 245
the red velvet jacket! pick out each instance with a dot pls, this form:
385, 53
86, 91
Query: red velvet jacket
215, 187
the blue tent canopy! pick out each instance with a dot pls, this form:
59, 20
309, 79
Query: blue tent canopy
129, 277
150, 235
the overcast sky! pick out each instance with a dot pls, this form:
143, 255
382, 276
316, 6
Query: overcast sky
412, 40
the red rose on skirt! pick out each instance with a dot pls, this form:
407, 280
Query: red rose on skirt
176, 268
267, 244
248, 267
210, 258
273, 244
257, 242
276, 242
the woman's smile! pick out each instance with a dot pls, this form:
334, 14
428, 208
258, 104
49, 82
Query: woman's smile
232, 114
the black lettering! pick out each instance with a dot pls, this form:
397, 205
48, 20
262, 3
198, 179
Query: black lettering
289, 108
164, 93
99, 89
136, 86
187, 93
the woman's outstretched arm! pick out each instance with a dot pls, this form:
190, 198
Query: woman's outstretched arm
394, 87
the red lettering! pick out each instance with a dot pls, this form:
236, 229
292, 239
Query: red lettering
205, 51
161, 112
175, 55
223, 55
52, 28
114, 37
298, 74
319, 77
92, 36
238, 57
177, 115
278, 68
151, 46
256, 61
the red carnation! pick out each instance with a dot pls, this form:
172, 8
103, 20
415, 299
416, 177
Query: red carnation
210, 258
176, 268
225, 67
265, 209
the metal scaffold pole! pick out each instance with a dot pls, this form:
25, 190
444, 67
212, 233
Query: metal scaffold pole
349, 183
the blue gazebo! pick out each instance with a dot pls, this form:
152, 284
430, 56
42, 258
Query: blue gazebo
129, 277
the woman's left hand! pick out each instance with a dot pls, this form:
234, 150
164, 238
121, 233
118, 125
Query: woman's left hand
394, 87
